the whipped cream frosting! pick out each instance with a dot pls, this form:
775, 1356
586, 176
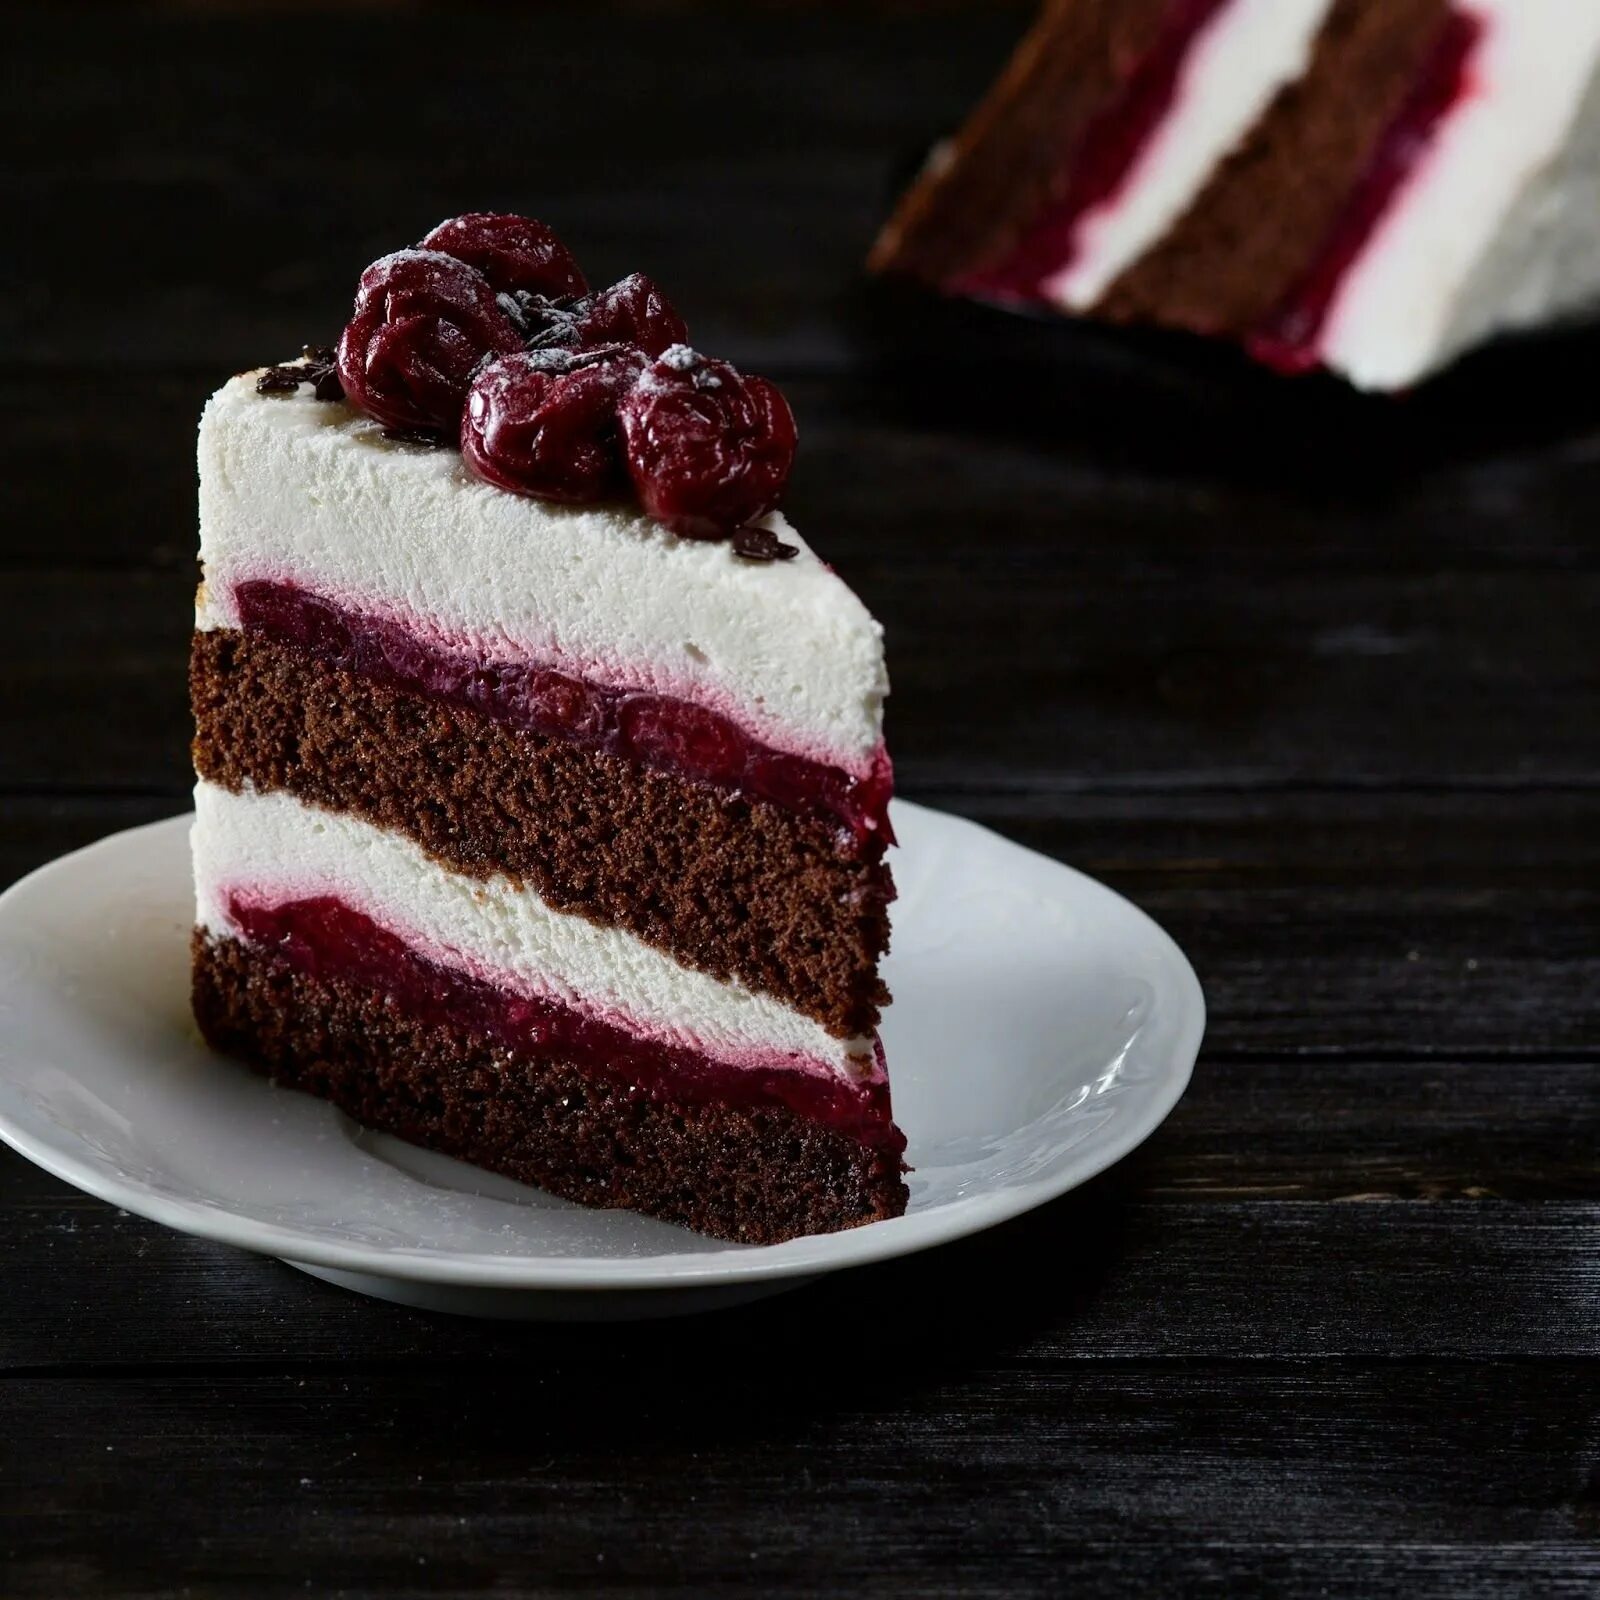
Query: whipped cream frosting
273, 849
311, 492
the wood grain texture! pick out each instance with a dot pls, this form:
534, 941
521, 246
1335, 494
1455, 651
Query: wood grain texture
1315, 683
1131, 1267
772, 142
1177, 1479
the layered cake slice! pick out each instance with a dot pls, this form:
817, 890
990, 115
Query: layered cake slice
543, 800
1369, 186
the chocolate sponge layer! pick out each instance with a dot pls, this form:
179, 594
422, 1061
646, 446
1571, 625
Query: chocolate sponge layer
1261, 220
742, 889
757, 1174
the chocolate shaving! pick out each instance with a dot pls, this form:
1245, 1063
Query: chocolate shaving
543, 323
319, 370
415, 436
762, 544
279, 380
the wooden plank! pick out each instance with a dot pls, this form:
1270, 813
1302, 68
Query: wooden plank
93, 680
1413, 924
970, 1473
1395, 928
738, 163
1039, 677
881, 486
1348, 1130
1399, 1280
133, 432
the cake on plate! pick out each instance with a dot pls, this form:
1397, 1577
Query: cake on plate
1367, 186
543, 799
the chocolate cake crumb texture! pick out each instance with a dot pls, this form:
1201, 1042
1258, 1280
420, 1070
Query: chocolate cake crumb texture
1012, 158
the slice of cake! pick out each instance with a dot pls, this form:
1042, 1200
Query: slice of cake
543, 798
1369, 186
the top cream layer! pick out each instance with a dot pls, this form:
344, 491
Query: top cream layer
308, 492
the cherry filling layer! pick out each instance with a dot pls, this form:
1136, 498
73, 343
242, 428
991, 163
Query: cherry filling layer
1107, 153
1290, 339
323, 937
657, 731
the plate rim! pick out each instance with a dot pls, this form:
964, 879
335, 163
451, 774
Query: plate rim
803, 1257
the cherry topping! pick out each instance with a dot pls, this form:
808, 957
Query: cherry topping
544, 422
422, 322
511, 252
634, 311
486, 333
709, 449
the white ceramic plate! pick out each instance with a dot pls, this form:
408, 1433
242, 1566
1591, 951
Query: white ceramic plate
1042, 1028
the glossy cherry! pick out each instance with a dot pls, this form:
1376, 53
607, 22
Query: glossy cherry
512, 253
544, 422
633, 311
422, 322
708, 448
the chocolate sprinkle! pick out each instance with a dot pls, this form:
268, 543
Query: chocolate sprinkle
543, 323
415, 436
762, 544
319, 370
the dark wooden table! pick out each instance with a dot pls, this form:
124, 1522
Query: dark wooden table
1317, 684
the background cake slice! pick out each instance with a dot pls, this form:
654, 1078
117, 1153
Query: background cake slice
543, 798
1369, 186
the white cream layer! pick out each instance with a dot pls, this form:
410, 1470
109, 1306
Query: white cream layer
297, 490
1234, 69
1499, 226
275, 849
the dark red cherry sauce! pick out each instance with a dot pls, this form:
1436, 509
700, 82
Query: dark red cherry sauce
658, 731
326, 938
